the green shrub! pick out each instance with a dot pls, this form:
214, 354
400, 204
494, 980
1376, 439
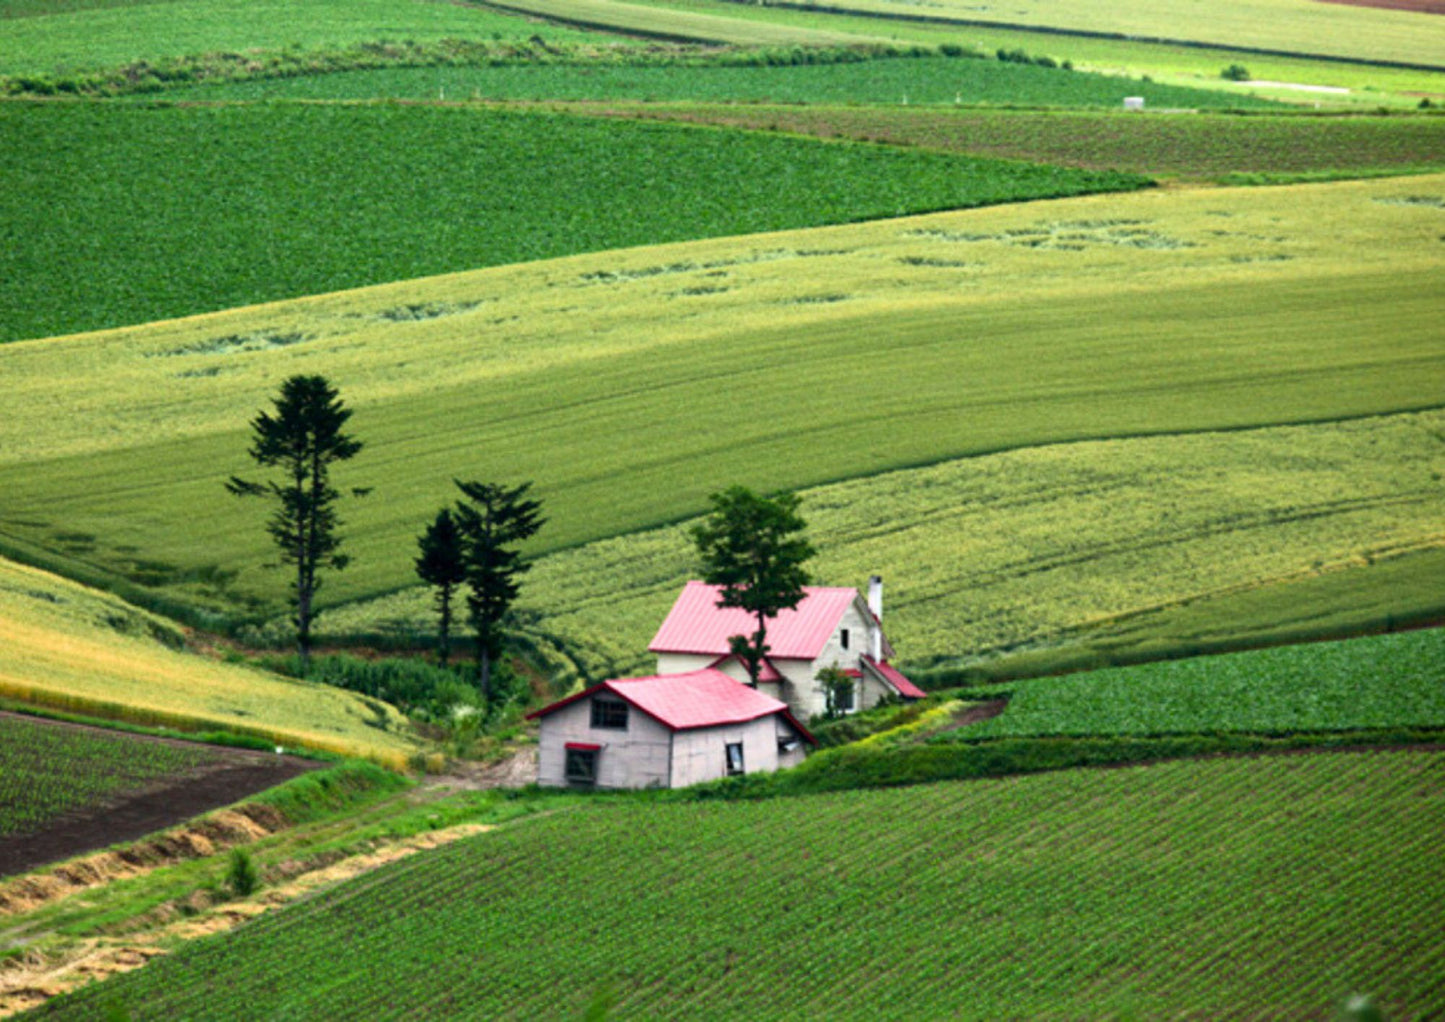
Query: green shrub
242, 876
1235, 73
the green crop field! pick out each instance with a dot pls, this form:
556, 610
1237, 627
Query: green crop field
1203, 888
1190, 65
70, 648
1287, 26
46, 37
111, 207
924, 340
911, 81
49, 770
1373, 682
1048, 549
1186, 146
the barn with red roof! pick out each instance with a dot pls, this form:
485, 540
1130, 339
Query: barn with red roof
831, 627
697, 719
665, 732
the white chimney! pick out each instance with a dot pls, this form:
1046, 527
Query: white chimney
875, 630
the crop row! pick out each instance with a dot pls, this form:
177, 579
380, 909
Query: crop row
1186, 146
277, 201
1373, 682
51, 770
919, 81
1184, 888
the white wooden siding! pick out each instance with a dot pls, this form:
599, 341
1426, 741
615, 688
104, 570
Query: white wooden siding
635, 758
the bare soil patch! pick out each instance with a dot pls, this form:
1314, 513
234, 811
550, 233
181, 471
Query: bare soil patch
1419, 6
976, 712
236, 774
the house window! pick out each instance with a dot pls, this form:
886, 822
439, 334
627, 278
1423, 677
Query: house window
735, 758
843, 698
609, 713
581, 766
843, 638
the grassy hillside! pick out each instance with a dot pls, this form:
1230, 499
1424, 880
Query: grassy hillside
911, 81
67, 647
1044, 556
1290, 26
1190, 147
808, 357
46, 37
111, 207
1378, 681
1192, 65
1102, 892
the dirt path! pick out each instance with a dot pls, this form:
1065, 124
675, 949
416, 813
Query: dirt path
515, 771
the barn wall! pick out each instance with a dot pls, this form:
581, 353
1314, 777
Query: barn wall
635, 758
700, 754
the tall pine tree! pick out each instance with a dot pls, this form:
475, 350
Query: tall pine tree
493, 520
303, 438
442, 565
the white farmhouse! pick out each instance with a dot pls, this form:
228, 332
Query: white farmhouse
665, 732
831, 626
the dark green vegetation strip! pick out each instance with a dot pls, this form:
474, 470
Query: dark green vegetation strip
116, 215
922, 81
51, 770
1132, 892
1372, 682
1188, 146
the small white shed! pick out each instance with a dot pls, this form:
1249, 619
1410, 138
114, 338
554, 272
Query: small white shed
667, 731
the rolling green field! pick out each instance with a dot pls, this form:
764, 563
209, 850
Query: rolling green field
1048, 552
48, 770
47, 37
1378, 681
911, 81
1287, 26
1180, 888
70, 648
925, 340
1189, 147
1192, 65
111, 207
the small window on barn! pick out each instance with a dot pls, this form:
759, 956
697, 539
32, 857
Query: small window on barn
609, 713
735, 758
581, 766
843, 638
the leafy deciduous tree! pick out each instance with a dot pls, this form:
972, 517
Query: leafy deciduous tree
492, 520
442, 564
303, 438
752, 546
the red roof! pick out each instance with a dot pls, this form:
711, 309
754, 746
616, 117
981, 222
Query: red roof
696, 624
705, 698
892, 675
